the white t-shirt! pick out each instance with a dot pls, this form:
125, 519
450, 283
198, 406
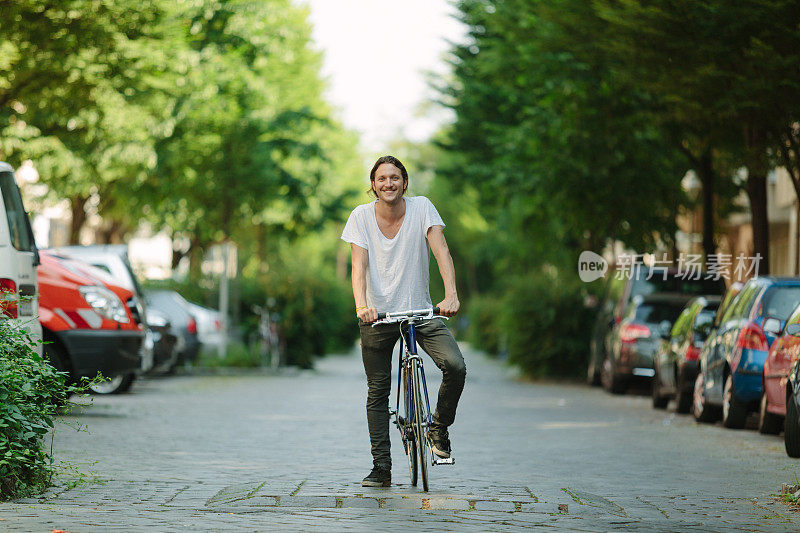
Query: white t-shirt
397, 276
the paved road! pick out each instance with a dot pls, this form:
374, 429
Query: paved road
287, 452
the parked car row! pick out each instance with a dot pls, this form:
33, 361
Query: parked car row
87, 306
719, 354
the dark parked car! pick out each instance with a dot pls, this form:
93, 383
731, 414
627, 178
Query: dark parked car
620, 292
791, 435
677, 359
732, 360
176, 308
166, 341
636, 338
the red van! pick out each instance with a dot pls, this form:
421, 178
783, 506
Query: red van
87, 324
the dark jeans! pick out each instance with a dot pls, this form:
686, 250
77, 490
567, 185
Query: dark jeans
376, 350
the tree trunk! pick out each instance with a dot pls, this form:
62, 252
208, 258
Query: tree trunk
111, 233
195, 259
704, 167
78, 210
177, 255
757, 168
757, 193
705, 171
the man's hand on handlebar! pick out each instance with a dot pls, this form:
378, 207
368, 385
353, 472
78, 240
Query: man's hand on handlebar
449, 306
367, 315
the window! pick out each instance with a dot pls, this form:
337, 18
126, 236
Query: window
15, 213
779, 302
743, 302
679, 329
673, 284
726, 304
654, 313
739, 302
102, 267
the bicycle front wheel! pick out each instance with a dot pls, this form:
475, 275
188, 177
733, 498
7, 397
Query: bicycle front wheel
408, 440
420, 424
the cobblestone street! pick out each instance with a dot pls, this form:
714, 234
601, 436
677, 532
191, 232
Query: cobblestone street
287, 452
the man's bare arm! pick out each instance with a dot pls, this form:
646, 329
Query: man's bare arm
360, 260
450, 305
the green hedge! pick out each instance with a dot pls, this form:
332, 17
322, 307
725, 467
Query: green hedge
540, 320
30, 391
315, 311
485, 331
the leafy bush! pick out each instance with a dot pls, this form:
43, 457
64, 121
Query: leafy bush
540, 319
547, 325
237, 355
30, 391
316, 314
484, 331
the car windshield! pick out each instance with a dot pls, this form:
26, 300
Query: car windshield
674, 284
726, 304
779, 302
652, 313
15, 213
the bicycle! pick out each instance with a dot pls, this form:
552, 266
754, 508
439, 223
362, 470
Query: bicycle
414, 425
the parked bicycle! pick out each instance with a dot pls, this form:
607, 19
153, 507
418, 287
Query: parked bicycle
416, 418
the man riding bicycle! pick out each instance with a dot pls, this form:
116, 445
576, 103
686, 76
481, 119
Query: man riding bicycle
390, 242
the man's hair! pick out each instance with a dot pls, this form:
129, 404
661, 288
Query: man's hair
392, 160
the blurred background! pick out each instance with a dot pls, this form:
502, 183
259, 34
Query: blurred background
220, 145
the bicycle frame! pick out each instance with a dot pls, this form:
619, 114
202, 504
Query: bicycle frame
406, 356
414, 427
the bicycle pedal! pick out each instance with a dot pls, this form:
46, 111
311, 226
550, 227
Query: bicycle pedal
449, 461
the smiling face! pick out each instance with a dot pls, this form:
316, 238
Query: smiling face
389, 183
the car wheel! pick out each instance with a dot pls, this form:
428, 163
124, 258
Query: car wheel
700, 408
768, 423
659, 402
791, 437
114, 385
683, 402
611, 381
734, 412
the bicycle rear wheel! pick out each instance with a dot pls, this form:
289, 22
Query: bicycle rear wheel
408, 440
420, 426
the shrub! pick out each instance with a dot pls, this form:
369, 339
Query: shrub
237, 355
316, 315
484, 330
30, 391
547, 325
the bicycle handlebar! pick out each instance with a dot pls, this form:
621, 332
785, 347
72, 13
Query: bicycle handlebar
418, 312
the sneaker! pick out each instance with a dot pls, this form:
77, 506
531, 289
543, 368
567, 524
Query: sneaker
440, 442
379, 477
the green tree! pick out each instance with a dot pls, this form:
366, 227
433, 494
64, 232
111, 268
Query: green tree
71, 89
724, 71
553, 139
249, 143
